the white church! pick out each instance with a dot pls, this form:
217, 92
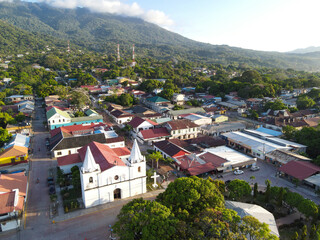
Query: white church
105, 176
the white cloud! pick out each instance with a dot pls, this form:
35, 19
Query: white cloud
6, 0
115, 7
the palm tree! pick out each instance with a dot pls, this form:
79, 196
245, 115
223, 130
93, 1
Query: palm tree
155, 156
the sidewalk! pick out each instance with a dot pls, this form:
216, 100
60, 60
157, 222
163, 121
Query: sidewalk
288, 219
78, 213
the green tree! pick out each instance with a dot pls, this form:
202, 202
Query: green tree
143, 219
308, 208
276, 105
295, 236
305, 102
289, 132
217, 224
4, 136
126, 99
268, 190
251, 227
80, 98
20, 117
293, 199
5, 118
304, 232
189, 196
255, 190
238, 188
155, 156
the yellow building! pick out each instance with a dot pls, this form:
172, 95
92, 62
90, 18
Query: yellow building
13, 155
220, 118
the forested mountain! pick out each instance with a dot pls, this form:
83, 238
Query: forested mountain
16, 40
101, 32
306, 50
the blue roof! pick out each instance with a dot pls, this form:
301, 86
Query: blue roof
269, 131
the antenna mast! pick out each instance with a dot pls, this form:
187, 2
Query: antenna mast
133, 60
68, 50
118, 53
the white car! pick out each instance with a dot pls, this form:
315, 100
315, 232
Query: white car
238, 172
254, 168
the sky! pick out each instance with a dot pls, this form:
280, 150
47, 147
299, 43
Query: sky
267, 25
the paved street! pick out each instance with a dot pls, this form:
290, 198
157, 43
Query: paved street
268, 171
84, 224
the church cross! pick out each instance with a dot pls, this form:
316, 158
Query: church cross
155, 176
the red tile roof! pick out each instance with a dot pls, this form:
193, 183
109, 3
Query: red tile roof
203, 168
121, 151
8, 182
154, 133
300, 169
69, 159
76, 129
181, 124
136, 122
213, 159
114, 140
103, 155
7, 202
120, 114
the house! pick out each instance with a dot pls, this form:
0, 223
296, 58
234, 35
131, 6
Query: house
279, 157
67, 140
300, 170
57, 118
176, 114
193, 166
19, 98
144, 112
91, 112
26, 107
169, 150
231, 158
178, 99
259, 146
120, 116
220, 118
13, 190
14, 155
106, 177
18, 140
139, 124
150, 136
200, 120
264, 216
156, 103
182, 129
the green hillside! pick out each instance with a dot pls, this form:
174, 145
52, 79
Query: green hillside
101, 33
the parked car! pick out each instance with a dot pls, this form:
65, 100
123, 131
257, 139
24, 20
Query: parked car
238, 172
254, 168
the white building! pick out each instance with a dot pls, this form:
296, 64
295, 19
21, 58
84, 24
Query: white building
105, 177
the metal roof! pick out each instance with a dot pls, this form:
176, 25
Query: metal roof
253, 142
315, 179
246, 209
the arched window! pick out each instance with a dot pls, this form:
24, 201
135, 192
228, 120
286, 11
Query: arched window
139, 169
91, 180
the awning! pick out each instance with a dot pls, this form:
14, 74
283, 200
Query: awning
243, 164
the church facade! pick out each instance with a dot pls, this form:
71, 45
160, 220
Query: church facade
106, 177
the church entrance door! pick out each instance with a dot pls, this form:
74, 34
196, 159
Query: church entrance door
117, 193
